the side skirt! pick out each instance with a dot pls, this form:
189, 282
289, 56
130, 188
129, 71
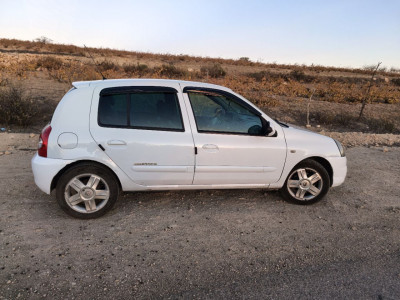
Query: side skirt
203, 187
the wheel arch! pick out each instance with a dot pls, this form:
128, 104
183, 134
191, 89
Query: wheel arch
325, 163
77, 163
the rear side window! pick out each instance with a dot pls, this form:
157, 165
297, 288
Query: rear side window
155, 110
141, 110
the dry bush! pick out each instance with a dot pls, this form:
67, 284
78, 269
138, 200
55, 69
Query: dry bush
328, 88
18, 68
15, 107
261, 99
49, 62
214, 71
170, 71
330, 118
75, 71
43, 40
394, 70
39, 46
106, 65
348, 120
138, 68
396, 81
381, 125
299, 75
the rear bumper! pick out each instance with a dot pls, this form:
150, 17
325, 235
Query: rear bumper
44, 169
339, 166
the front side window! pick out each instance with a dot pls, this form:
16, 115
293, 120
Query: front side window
216, 113
141, 110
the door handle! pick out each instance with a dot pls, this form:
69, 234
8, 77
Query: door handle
116, 143
210, 147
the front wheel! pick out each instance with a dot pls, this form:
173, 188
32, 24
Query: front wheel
87, 191
307, 183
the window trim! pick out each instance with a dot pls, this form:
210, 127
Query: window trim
228, 95
136, 89
232, 97
127, 91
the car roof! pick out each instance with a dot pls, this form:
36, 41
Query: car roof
144, 81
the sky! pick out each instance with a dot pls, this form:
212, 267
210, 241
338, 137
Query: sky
344, 33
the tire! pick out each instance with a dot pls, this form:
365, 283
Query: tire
87, 191
307, 183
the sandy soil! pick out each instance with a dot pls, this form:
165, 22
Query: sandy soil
204, 244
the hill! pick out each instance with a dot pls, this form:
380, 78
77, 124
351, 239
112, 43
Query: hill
42, 72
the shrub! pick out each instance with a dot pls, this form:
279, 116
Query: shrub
396, 81
395, 70
43, 40
141, 69
73, 71
170, 71
259, 76
49, 62
267, 75
301, 76
330, 118
15, 107
215, 71
381, 125
107, 65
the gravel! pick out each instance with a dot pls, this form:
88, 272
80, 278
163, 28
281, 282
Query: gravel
354, 139
227, 244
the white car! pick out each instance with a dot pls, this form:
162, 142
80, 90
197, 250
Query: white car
145, 134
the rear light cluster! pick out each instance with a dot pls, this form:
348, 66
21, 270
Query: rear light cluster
44, 141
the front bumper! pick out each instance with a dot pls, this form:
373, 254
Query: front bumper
45, 169
339, 167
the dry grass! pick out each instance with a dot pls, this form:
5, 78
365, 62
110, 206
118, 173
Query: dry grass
61, 49
15, 107
263, 84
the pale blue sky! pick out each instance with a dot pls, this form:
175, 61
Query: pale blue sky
338, 33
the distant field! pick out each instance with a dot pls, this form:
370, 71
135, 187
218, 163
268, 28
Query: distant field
44, 72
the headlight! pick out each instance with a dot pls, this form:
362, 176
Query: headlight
341, 149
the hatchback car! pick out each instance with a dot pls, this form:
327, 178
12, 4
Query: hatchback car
144, 134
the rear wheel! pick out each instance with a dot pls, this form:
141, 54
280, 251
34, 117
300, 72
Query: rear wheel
307, 183
87, 191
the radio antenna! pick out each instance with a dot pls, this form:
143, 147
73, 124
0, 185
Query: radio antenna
94, 62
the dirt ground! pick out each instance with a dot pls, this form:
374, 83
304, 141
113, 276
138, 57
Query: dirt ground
228, 244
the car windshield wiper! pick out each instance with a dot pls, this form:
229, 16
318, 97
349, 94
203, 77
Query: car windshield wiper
281, 123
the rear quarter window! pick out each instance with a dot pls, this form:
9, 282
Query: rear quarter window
113, 110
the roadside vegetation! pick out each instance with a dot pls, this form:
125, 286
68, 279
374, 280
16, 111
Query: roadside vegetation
265, 84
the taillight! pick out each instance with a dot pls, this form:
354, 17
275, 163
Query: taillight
44, 141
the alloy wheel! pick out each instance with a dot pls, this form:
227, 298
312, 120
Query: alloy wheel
304, 184
87, 193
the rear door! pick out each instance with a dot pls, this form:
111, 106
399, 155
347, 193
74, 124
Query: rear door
144, 132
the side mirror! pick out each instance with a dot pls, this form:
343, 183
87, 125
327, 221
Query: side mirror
267, 129
255, 130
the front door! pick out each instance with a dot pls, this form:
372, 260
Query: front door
231, 148
144, 132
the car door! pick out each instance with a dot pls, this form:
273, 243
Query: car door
231, 147
144, 132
